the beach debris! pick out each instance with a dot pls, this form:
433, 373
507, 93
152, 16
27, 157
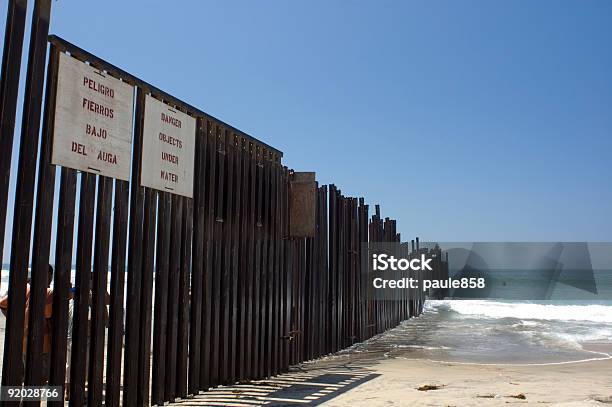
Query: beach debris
427, 387
603, 399
488, 396
266, 384
519, 396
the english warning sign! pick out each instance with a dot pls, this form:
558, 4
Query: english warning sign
168, 149
93, 120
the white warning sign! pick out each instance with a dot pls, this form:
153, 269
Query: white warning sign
93, 120
168, 149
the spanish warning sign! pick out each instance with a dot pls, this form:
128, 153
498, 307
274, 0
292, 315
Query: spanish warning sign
93, 120
168, 149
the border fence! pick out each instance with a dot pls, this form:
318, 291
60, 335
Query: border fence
173, 294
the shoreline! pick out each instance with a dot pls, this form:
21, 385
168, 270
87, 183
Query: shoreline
602, 349
476, 385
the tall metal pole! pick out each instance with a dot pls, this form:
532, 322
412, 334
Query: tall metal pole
24, 198
9, 87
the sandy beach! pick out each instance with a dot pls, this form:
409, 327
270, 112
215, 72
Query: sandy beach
368, 380
576, 384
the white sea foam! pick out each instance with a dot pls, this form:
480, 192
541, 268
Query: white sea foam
598, 334
526, 311
423, 347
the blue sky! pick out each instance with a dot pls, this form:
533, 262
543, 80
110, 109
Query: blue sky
465, 120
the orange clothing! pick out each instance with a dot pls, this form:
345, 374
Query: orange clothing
48, 311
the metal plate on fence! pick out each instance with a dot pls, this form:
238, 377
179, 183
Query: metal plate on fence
302, 204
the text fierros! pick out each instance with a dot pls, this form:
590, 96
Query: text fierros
98, 108
384, 262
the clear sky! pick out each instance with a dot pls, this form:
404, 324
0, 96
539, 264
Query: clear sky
465, 120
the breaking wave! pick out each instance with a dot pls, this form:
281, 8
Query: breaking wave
526, 311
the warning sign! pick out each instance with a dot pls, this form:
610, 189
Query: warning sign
168, 149
93, 120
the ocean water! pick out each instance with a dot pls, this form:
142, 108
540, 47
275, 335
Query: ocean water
590, 285
4, 277
498, 332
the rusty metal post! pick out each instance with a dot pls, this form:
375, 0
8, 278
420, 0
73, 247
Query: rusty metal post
9, 89
24, 200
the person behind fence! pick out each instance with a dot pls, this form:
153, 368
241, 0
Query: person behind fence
47, 324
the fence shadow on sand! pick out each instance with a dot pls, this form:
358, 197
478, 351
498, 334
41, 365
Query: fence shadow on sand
308, 384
